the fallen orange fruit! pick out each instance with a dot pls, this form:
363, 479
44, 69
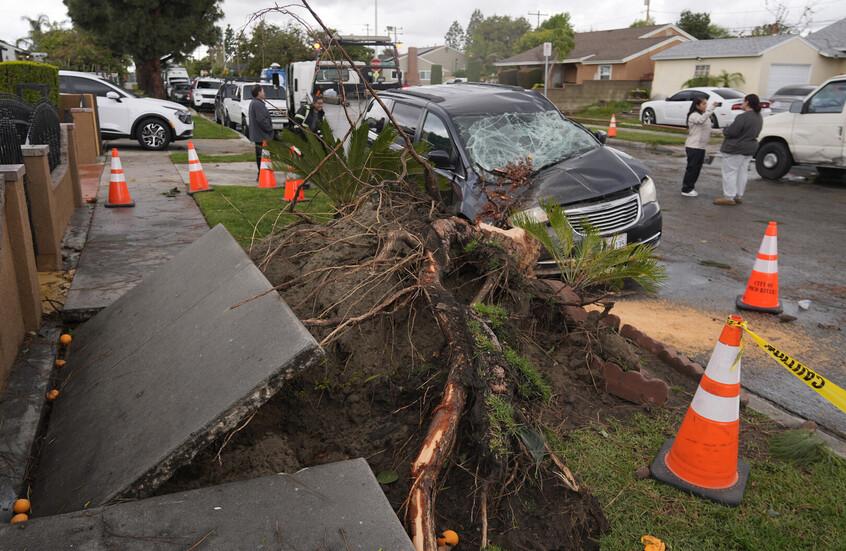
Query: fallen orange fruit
20, 518
65, 339
60, 363
52, 395
448, 538
22, 506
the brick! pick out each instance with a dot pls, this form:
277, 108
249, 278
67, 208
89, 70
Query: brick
633, 386
577, 313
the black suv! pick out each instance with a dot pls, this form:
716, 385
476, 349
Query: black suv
474, 129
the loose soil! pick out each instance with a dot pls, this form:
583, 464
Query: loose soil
383, 378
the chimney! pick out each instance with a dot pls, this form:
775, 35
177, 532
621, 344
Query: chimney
412, 76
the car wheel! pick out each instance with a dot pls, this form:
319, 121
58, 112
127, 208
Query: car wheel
714, 122
648, 116
772, 161
226, 122
244, 128
153, 134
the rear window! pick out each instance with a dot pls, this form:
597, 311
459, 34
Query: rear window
795, 91
274, 92
728, 93
208, 84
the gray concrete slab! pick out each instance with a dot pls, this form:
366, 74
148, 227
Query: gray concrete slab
334, 506
22, 406
233, 146
126, 244
175, 362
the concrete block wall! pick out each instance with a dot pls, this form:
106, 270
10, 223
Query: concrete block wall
575, 96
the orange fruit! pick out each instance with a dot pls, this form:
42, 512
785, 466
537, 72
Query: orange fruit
20, 518
22, 506
448, 538
60, 363
52, 395
65, 339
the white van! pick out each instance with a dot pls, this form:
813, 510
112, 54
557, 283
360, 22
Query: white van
811, 133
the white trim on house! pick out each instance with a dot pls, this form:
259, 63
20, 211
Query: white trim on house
635, 55
669, 26
741, 54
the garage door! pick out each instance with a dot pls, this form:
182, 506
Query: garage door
786, 74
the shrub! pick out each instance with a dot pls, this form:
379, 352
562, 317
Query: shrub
437, 75
527, 78
508, 76
474, 71
13, 73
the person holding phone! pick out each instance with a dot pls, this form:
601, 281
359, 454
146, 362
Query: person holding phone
699, 123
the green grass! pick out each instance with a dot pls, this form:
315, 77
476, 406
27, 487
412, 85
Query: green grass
784, 507
604, 111
206, 129
258, 207
182, 158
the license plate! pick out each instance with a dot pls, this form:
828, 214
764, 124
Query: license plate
616, 241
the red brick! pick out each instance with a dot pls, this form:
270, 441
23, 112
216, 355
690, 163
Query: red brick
630, 332
633, 386
612, 321
577, 313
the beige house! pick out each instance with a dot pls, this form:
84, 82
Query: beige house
450, 59
767, 63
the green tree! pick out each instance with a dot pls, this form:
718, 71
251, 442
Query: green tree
557, 30
476, 18
77, 50
699, 26
149, 31
495, 38
780, 24
36, 31
454, 37
273, 44
642, 23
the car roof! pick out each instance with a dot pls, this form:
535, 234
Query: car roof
473, 98
795, 89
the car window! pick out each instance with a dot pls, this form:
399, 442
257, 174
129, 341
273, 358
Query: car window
493, 140
376, 116
206, 84
407, 117
729, 93
330, 74
436, 135
83, 85
830, 99
65, 84
274, 92
684, 95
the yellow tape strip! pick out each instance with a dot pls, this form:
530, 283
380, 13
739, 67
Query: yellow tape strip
820, 384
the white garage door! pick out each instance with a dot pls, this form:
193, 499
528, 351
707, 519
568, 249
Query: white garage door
786, 74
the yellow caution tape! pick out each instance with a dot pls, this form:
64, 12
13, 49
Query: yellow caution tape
820, 384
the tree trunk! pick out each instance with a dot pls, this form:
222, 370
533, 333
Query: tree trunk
149, 73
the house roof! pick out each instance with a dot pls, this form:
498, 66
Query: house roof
429, 49
749, 46
611, 46
831, 40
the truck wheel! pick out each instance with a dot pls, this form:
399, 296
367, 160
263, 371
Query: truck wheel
153, 133
245, 130
226, 122
772, 161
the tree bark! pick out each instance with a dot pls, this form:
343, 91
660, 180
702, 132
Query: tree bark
149, 73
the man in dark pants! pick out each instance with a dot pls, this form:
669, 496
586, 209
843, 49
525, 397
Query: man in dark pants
261, 127
309, 117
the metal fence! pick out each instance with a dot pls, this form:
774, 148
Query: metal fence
45, 129
10, 144
19, 111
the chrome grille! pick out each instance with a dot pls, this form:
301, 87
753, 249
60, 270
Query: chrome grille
608, 217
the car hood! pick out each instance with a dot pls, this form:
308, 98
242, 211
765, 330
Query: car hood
163, 103
594, 174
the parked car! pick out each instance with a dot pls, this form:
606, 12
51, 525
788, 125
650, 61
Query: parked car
781, 100
810, 133
236, 109
226, 90
203, 92
153, 122
673, 110
181, 93
475, 129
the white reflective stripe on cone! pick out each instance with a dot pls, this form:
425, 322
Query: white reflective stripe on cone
769, 245
265, 165
192, 155
716, 408
119, 177
765, 266
194, 167
719, 366
116, 163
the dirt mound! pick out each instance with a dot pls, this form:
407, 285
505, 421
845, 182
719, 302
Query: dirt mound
356, 283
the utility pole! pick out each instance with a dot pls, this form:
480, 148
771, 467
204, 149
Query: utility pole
367, 28
395, 30
539, 14
376, 16
646, 2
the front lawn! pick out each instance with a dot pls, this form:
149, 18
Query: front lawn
206, 129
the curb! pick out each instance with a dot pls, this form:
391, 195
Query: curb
645, 146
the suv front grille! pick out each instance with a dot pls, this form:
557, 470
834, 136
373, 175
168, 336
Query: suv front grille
608, 217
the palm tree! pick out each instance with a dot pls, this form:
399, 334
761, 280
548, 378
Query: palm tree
729, 80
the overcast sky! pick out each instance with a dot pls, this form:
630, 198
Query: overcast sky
424, 23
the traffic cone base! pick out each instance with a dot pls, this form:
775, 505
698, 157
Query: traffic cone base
196, 174
267, 179
762, 290
731, 495
291, 186
118, 192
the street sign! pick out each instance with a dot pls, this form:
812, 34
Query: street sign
547, 49
376, 63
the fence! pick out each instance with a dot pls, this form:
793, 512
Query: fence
44, 129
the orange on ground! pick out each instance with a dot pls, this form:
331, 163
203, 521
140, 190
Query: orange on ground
52, 395
60, 363
449, 538
19, 518
65, 339
22, 506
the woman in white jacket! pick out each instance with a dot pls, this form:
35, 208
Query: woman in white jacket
699, 123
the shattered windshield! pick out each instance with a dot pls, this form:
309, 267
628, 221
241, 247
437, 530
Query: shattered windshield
494, 140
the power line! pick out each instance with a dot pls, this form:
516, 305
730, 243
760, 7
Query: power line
539, 14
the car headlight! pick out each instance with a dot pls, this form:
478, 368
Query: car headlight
648, 193
536, 213
184, 116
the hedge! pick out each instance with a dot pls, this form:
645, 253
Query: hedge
437, 76
527, 78
474, 71
13, 73
508, 76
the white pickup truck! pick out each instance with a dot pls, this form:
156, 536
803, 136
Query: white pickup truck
811, 133
236, 105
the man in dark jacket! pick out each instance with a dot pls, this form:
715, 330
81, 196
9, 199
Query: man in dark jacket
261, 127
309, 117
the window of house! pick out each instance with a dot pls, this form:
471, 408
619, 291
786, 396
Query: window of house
425, 75
604, 72
701, 71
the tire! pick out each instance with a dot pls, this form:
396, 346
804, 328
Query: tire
153, 133
226, 122
714, 122
773, 160
245, 130
216, 116
648, 116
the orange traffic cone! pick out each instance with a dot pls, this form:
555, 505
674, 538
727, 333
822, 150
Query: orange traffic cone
762, 289
702, 459
118, 192
612, 130
266, 177
195, 172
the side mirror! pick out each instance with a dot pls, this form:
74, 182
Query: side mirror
796, 106
113, 95
440, 159
601, 135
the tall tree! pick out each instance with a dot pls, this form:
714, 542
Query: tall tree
78, 50
699, 26
476, 19
37, 27
495, 38
557, 30
454, 37
780, 23
149, 31
642, 23
273, 44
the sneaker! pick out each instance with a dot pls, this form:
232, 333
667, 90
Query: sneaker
691, 193
724, 201
738, 200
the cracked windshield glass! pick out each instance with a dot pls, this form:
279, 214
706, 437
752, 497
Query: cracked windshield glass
494, 140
